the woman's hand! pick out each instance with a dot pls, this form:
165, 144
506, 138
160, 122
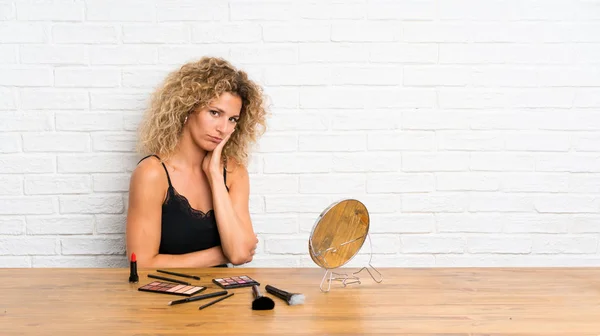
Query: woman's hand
211, 165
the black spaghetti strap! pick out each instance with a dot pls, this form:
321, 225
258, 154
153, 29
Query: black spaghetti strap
145, 157
162, 163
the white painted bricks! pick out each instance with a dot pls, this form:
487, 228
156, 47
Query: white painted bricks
469, 129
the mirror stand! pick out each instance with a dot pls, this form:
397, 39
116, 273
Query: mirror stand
344, 278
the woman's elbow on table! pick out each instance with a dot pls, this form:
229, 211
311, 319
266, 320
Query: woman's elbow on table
240, 257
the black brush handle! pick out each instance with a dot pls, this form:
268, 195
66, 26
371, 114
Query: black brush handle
277, 292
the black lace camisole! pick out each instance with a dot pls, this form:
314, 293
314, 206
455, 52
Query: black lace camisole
183, 228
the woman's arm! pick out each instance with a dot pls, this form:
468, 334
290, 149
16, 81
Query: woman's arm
147, 190
233, 215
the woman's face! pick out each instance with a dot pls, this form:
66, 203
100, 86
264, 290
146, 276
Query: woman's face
210, 125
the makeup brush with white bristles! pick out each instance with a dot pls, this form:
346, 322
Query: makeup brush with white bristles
291, 298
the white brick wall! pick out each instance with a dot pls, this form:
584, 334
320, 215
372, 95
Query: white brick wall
470, 129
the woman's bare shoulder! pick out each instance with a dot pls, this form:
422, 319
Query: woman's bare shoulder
151, 173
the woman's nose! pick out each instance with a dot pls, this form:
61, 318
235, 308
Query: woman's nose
222, 126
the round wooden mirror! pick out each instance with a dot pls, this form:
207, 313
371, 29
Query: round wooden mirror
338, 233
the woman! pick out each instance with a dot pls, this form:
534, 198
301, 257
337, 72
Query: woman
188, 197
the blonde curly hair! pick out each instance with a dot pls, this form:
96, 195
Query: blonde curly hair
193, 86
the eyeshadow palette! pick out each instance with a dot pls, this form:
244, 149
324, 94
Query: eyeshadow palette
235, 282
171, 288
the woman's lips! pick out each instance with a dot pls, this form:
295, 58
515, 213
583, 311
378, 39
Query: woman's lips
215, 139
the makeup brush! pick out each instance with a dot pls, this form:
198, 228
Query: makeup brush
261, 302
291, 298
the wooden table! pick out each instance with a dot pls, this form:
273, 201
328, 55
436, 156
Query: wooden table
419, 301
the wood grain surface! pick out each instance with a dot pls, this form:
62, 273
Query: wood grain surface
339, 234
411, 301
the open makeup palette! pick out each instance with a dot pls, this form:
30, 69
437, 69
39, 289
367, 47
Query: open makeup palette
171, 288
235, 282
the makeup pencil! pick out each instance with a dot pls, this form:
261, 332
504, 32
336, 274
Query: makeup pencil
196, 298
168, 279
179, 274
215, 301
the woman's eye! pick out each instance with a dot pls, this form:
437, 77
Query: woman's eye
213, 112
233, 120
